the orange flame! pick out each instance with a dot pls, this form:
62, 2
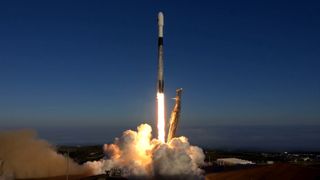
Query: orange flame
161, 117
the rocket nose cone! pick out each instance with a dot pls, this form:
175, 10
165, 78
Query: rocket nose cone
160, 19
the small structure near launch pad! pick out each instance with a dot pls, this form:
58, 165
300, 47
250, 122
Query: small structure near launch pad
233, 161
175, 115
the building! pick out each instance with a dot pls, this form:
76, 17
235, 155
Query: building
233, 161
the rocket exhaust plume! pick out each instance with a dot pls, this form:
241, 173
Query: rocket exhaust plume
160, 82
161, 117
139, 155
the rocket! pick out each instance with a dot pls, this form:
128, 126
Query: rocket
160, 83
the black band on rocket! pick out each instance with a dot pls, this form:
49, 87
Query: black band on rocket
160, 41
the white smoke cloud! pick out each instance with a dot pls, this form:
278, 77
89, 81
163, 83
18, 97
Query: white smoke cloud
23, 155
138, 155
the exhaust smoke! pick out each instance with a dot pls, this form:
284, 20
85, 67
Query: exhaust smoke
137, 154
23, 156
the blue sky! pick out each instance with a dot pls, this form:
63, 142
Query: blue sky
84, 63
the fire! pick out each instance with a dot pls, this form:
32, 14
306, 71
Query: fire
143, 139
161, 117
140, 155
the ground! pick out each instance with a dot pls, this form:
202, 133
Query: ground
281, 171
285, 167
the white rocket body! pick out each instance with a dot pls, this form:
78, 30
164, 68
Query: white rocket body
160, 83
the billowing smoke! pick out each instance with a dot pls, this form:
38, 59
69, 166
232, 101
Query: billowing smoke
138, 155
23, 155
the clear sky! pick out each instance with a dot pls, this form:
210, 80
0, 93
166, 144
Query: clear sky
81, 63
